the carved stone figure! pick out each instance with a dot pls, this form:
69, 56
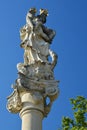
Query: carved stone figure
35, 80
37, 39
26, 29
42, 17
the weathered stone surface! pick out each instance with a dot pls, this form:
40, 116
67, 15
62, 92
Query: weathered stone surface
14, 102
35, 82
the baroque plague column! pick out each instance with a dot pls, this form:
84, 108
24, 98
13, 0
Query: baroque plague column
35, 82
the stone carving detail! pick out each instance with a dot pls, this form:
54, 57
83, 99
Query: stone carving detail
14, 104
36, 73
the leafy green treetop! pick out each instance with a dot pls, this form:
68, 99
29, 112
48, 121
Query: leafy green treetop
80, 115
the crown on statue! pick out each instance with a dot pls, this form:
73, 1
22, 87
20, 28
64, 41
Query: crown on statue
44, 11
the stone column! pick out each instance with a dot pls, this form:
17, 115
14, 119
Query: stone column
31, 105
32, 111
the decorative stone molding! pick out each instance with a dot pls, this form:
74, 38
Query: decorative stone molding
14, 104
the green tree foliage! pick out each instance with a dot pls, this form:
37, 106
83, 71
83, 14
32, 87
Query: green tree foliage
79, 106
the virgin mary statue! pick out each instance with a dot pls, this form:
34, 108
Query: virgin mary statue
36, 39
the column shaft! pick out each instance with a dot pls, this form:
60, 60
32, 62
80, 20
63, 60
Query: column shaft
32, 120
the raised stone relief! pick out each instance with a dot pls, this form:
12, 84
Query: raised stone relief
14, 104
36, 73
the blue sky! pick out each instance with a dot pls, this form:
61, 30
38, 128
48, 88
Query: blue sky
69, 19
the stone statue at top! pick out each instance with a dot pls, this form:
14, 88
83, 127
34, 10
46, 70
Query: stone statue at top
36, 39
36, 74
